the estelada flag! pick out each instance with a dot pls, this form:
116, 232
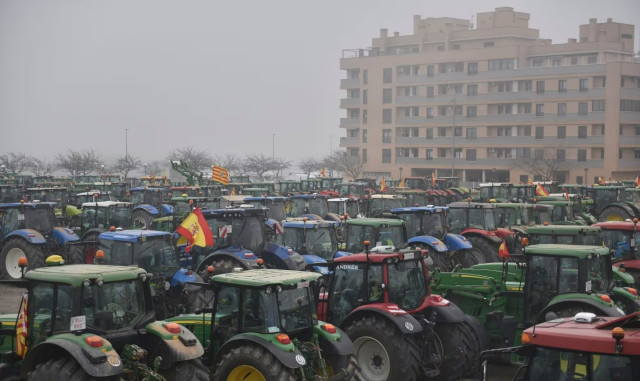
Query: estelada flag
540, 191
383, 185
637, 181
220, 175
529, 182
601, 180
503, 252
21, 329
196, 230
433, 179
323, 173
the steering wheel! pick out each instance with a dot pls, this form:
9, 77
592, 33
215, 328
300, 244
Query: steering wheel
118, 312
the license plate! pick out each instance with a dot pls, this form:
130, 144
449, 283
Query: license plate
303, 284
409, 256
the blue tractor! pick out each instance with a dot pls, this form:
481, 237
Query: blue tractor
148, 204
426, 228
29, 230
312, 206
277, 206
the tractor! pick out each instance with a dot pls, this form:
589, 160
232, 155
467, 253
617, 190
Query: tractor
370, 184
28, 230
563, 212
98, 217
86, 322
57, 195
414, 198
118, 190
389, 232
400, 331
288, 187
10, 193
310, 185
238, 188
348, 206
584, 347
182, 207
92, 196
148, 204
312, 206
380, 205
476, 222
262, 325
190, 191
240, 179
271, 187
277, 206
331, 183
255, 192
453, 184
623, 238
496, 192
523, 193
426, 229
353, 190
615, 203
316, 241
212, 190
513, 220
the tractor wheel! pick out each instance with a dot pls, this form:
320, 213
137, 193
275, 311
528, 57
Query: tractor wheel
252, 362
75, 255
142, 219
481, 342
441, 261
63, 369
197, 297
571, 311
470, 257
488, 249
90, 250
382, 351
336, 364
456, 342
614, 213
186, 371
12, 251
220, 266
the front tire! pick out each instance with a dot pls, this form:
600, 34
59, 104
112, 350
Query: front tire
76, 255
456, 342
142, 219
186, 371
614, 213
348, 363
488, 249
14, 249
63, 369
252, 362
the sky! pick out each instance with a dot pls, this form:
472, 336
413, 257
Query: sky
217, 75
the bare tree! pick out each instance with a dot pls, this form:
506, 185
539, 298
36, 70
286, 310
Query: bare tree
155, 167
545, 163
79, 162
126, 164
279, 164
309, 164
331, 162
231, 162
191, 157
349, 165
259, 163
16, 162
42, 167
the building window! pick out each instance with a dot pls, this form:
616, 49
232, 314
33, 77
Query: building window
387, 75
592, 59
472, 133
386, 136
637, 154
456, 47
579, 180
472, 111
574, 60
562, 109
562, 132
442, 131
539, 86
524, 179
560, 155
354, 152
365, 77
354, 112
364, 155
540, 110
354, 94
442, 110
489, 44
429, 91
387, 95
458, 109
386, 156
408, 132
582, 108
471, 155
429, 154
582, 155
526, 85
457, 131
457, 89
582, 132
539, 132
562, 86
364, 135
365, 96
524, 131
429, 133
538, 155
537, 63
584, 84
472, 90
440, 48
386, 115
624, 35
505, 86
620, 130
629, 105
502, 64
598, 105
556, 62
412, 111
353, 133
365, 116
619, 153
472, 68
429, 112
430, 71
637, 127
523, 153
406, 152
409, 70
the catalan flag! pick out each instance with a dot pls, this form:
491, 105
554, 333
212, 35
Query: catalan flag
433, 179
220, 175
21, 329
323, 173
637, 183
401, 184
383, 185
601, 180
196, 230
540, 191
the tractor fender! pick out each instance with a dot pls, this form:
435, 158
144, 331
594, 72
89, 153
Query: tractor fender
432, 242
182, 276
62, 235
93, 361
630, 263
488, 235
405, 322
30, 235
456, 242
460, 190
333, 343
92, 231
167, 209
603, 310
625, 278
289, 359
310, 258
170, 346
332, 217
233, 253
280, 258
445, 314
627, 208
147, 208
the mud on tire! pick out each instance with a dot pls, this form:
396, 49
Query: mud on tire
348, 363
63, 369
256, 357
35, 257
488, 249
186, 371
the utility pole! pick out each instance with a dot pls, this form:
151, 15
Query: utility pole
126, 143
453, 135
273, 153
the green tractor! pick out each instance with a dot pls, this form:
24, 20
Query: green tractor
615, 203
413, 198
563, 212
289, 187
496, 192
10, 193
97, 323
453, 184
182, 208
523, 192
262, 325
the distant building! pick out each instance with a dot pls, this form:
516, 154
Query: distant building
517, 97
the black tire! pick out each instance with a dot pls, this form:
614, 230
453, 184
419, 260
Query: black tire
35, 257
348, 363
220, 266
197, 297
470, 257
63, 369
75, 254
186, 371
142, 219
441, 261
481, 342
614, 213
258, 358
488, 249
401, 349
456, 342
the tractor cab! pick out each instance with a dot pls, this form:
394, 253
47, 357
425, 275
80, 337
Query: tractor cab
509, 215
147, 196
85, 178
10, 193
565, 235
331, 183
212, 190
413, 198
111, 177
380, 205
255, 192
277, 206
287, 187
240, 179
98, 217
623, 240
371, 184
500, 192
155, 181
91, 196
355, 190
190, 191
471, 215
57, 195
574, 189
563, 213
311, 185
270, 186
313, 206
148, 204
342, 206
379, 231
119, 190
182, 208
418, 183
423, 220
311, 238
38, 216
614, 203
522, 192
238, 188
392, 183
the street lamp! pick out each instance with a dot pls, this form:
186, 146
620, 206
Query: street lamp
37, 170
400, 173
274, 148
145, 169
454, 102
586, 173
102, 169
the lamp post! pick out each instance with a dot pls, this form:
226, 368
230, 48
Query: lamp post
126, 142
273, 153
586, 173
400, 173
145, 169
453, 135
102, 169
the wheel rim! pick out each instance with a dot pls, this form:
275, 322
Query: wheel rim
614, 217
372, 359
327, 368
245, 373
11, 262
140, 222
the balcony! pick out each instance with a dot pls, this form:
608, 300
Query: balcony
630, 116
511, 97
349, 122
627, 92
349, 142
632, 140
349, 102
487, 162
629, 163
506, 141
504, 118
349, 83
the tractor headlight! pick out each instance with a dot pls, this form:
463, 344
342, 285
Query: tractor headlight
143, 277
99, 282
167, 285
278, 289
268, 291
86, 283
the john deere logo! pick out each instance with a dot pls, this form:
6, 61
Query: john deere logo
114, 360
300, 360
409, 326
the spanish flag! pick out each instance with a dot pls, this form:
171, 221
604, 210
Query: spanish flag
220, 175
383, 185
503, 252
601, 180
540, 191
233, 192
196, 230
529, 182
637, 183
323, 173
433, 179
21, 329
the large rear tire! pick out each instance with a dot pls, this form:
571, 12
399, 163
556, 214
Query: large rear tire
456, 342
12, 251
252, 362
348, 363
63, 369
76, 255
197, 297
90, 250
614, 213
142, 219
186, 371
481, 342
470, 257
382, 351
220, 266
488, 249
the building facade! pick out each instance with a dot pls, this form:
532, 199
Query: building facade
494, 101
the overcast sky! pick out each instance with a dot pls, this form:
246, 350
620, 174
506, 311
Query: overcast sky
217, 75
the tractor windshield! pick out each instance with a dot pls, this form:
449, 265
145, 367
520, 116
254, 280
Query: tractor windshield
407, 284
322, 242
598, 268
318, 206
541, 215
94, 217
548, 364
480, 218
622, 243
153, 198
562, 213
380, 205
415, 183
121, 217
39, 219
433, 225
513, 216
342, 207
300, 206
295, 305
632, 196
137, 198
10, 195
277, 210
352, 190
415, 200
391, 236
249, 233
113, 306
118, 191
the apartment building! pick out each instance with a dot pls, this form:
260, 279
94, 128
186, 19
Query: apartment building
515, 99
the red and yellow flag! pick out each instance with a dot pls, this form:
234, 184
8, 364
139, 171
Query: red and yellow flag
401, 184
196, 230
601, 180
21, 329
566, 194
540, 191
433, 179
503, 252
637, 183
383, 185
529, 182
220, 175
233, 192
323, 173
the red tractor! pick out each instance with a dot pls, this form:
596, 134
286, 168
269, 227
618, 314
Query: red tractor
623, 238
399, 330
477, 223
435, 196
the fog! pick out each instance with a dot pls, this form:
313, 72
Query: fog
223, 76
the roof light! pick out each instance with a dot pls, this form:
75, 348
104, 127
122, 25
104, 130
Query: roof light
605, 298
22, 262
100, 254
54, 260
94, 341
329, 328
210, 269
617, 333
526, 338
546, 223
173, 328
143, 277
112, 229
283, 339
524, 241
86, 283
260, 261
99, 282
